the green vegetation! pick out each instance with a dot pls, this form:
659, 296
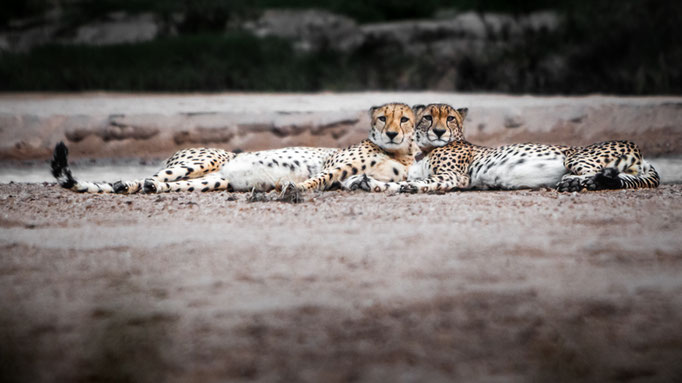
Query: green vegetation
206, 62
212, 14
625, 47
235, 61
630, 46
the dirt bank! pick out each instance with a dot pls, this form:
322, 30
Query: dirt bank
106, 125
477, 286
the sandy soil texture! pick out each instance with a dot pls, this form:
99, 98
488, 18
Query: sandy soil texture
475, 286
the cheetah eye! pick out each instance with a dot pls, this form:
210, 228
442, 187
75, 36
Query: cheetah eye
404, 119
428, 118
450, 118
382, 118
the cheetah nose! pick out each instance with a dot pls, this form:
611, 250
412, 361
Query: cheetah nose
391, 135
439, 132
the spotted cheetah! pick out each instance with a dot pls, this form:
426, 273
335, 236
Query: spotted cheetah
453, 163
205, 169
386, 155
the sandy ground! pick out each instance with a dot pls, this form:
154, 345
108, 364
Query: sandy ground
475, 286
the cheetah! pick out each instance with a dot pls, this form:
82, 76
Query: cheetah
386, 155
206, 169
453, 163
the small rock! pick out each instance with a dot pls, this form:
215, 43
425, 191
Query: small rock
513, 121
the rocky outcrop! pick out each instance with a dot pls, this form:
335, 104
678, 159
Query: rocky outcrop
308, 29
452, 51
153, 126
118, 28
114, 28
317, 29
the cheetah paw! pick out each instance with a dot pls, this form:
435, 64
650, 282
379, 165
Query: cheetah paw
358, 182
570, 185
149, 186
120, 187
607, 178
290, 193
408, 188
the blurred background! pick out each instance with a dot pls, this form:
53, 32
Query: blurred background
533, 46
347, 287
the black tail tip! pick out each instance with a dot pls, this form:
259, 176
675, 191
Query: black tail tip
60, 166
59, 159
61, 152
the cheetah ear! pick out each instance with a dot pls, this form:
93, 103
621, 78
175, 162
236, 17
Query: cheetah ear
418, 108
372, 109
463, 112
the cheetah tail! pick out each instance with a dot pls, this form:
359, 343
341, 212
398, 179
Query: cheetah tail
60, 166
648, 178
62, 172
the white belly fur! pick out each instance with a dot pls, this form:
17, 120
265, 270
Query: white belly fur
245, 172
419, 170
533, 172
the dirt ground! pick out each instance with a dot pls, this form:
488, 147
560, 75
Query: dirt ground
470, 286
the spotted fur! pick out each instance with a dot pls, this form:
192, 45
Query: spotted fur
453, 163
386, 155
205, 169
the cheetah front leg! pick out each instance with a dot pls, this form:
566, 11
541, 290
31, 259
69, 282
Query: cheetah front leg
437, 183
369, 184
348, 177
291, 192
337, 175
441, 182
323, 180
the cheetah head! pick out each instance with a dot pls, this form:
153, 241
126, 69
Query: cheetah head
392, 127
438, 125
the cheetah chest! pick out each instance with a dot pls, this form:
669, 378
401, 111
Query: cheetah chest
419, 170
